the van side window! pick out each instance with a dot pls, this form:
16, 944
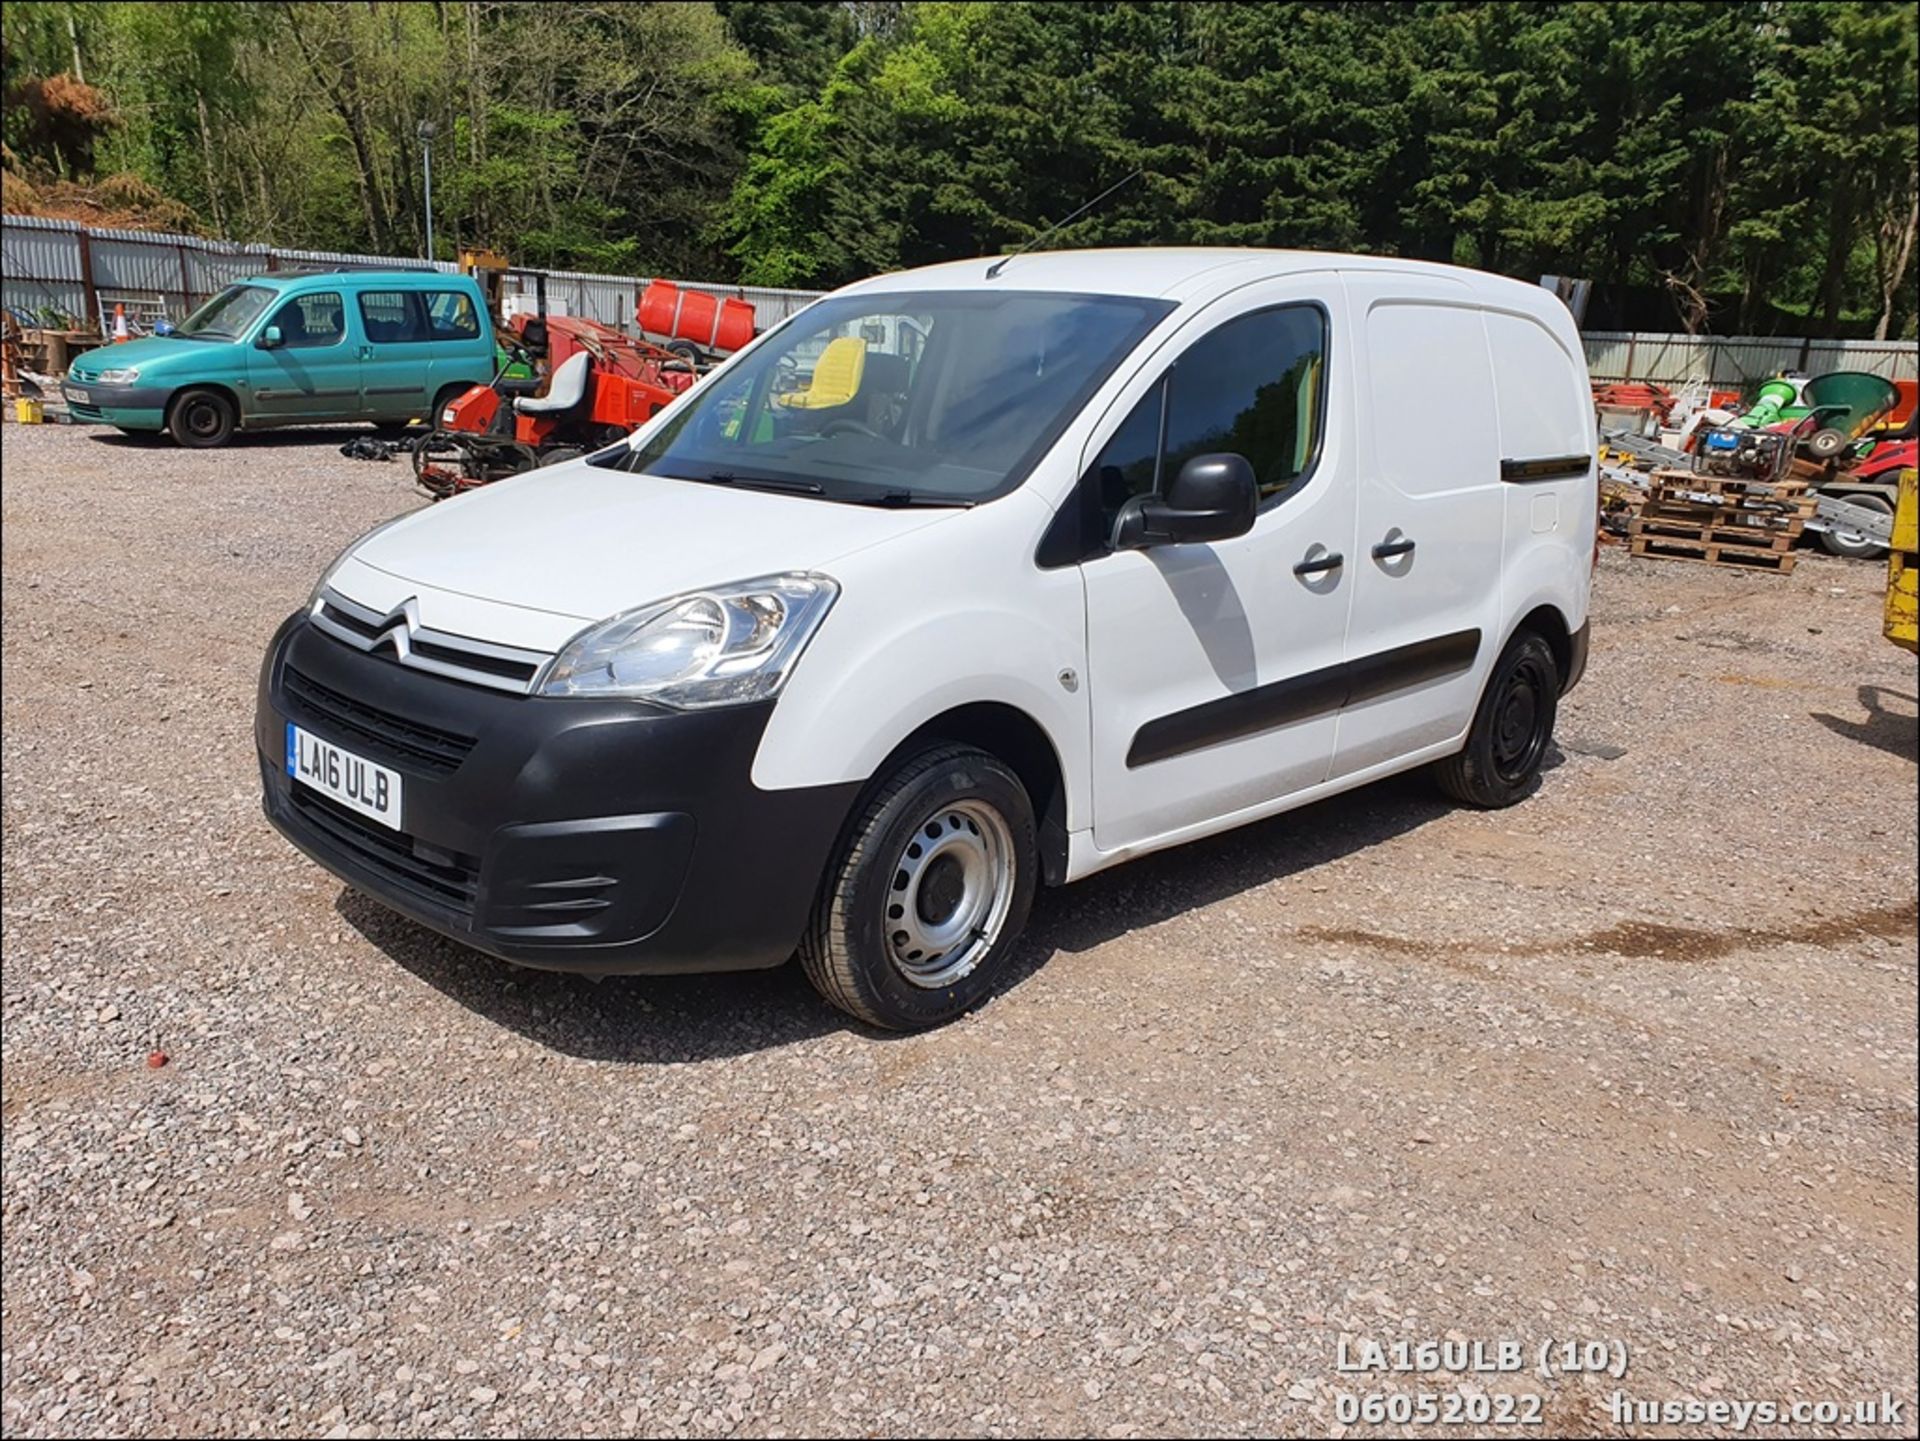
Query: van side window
450, 314
1253, 387
392, 317
311, 320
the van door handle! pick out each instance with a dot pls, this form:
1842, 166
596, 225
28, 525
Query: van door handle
1388, 549
1331, 561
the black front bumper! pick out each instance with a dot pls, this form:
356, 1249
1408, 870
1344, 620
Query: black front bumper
609, 837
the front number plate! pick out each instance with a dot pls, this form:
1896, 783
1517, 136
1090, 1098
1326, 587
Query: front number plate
357, 783
75, 394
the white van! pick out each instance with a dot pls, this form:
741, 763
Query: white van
959, 581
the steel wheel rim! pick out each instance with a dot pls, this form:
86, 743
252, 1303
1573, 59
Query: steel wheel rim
202, 418
950, 893
1519, 739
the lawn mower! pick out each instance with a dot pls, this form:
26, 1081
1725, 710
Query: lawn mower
599, 386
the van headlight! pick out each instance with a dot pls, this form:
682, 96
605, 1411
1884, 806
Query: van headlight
727, 645
124, 376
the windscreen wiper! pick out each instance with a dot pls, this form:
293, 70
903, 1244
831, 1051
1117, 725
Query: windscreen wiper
762, 482
902, 499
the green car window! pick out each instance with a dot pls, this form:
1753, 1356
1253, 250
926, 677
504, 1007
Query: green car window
311, 320
450, 313
392, 317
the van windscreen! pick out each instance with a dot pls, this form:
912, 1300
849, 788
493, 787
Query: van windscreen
228, 314
935, 397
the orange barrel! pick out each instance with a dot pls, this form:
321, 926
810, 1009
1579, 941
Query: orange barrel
734, 328
710, 322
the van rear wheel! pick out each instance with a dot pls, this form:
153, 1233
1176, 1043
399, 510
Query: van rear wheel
200, 419
927, 893
1500, 763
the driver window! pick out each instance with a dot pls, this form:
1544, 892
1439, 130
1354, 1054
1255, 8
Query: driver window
1252, 387
310, 320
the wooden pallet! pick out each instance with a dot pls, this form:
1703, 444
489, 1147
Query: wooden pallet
1754, 537
1713, 553
1758, 512
1736, 488
1714, 494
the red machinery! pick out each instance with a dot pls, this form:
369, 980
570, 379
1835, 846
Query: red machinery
599, 386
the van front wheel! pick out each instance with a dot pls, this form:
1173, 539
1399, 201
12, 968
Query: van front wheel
1500, 762
200, 419
927, 892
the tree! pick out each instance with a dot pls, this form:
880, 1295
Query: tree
1749, 163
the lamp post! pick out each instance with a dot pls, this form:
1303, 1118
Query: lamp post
426, 133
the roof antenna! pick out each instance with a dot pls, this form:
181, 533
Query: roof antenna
994, 269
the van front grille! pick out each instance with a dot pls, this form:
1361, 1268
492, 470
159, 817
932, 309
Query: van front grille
399, 636
409, 744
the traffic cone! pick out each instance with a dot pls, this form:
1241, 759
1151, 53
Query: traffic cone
120, 323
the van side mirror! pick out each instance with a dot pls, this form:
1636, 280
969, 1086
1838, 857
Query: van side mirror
269, 337
1214, 497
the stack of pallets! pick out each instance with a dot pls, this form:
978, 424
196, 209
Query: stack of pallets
1722, 520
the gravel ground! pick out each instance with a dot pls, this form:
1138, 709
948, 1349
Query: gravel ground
1634, 1061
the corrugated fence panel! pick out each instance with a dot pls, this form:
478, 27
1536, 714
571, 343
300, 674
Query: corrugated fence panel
39, 251
213, 271
1881, 357
1731, 361
140, 266
1607, 352
40, 261
1736, 360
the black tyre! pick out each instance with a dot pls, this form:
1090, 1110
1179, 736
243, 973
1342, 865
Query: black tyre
1826, 444
1851, 543
1500, 762
927, 892
686, 350
200, 419
444, 397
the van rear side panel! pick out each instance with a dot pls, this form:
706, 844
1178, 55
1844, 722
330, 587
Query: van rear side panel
1546, 428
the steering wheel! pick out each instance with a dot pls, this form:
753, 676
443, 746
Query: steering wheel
837, 427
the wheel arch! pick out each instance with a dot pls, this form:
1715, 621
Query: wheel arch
1550, 625
217, 387
1016, 738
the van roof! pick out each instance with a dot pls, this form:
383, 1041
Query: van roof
283, 278
1172, 272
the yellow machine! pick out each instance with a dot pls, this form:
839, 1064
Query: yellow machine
1903, 566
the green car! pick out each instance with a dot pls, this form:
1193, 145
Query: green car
379, 345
